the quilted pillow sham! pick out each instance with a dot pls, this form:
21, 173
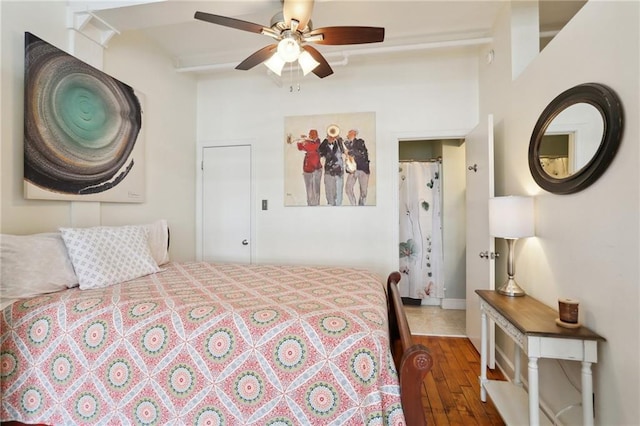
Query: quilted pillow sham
33, 265
103, 255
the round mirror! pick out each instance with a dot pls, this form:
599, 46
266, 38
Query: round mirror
575, 138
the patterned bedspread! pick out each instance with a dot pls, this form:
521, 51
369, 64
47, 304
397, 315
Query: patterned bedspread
206, 344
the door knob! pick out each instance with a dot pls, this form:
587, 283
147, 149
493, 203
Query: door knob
487, 255
245, 242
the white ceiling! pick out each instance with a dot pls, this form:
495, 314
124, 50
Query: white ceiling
190, 42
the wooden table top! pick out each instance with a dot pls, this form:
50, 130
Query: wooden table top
533, 317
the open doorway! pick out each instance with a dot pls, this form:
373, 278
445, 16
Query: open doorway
557, 155
437, 307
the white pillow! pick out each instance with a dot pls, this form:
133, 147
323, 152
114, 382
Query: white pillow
31, 265
158, 238
103, 255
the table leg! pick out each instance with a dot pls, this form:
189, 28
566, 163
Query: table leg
483, 357
587, 394
534, 414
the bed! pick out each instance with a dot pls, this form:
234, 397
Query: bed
206, 343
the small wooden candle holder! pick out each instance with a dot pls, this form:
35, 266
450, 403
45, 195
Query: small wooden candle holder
568, 309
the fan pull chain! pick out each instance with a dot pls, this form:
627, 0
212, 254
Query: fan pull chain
291, 77
297, 84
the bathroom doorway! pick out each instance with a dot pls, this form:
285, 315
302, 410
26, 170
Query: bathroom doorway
447, 156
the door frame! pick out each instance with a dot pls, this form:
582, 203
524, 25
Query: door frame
200, 146
397, 137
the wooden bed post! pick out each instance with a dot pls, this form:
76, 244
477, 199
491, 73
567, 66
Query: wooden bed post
413, 361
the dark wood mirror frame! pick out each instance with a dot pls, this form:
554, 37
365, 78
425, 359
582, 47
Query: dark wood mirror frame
606, 101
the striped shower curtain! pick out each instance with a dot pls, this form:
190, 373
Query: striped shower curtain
420, 247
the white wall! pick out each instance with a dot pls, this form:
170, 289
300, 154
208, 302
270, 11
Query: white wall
169, 121
587, 243
46, 20
430, 94
170, 132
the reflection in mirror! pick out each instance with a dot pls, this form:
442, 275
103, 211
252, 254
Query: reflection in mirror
554, 154
576, 138
571, 140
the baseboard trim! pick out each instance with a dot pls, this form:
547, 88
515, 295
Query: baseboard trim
431, 301
504, 364
460, 304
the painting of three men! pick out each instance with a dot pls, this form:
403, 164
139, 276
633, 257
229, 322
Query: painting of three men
330, 160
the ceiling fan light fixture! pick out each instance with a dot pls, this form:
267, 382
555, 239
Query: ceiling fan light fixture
275, 63
314, 38
300, 10
270, 32
292, 30
294, 25
288, 49
307, 62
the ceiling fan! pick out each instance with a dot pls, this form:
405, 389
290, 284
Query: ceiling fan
292, 28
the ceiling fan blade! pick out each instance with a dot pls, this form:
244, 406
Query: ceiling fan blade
257, 58
348, 35
323, 70
300, 10
229, 22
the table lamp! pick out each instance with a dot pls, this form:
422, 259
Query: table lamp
511, 218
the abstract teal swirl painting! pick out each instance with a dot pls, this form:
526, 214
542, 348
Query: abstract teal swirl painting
82, 130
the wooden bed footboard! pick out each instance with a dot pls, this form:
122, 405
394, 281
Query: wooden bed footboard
413, 361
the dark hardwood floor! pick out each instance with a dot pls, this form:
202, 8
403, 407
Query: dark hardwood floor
451, 391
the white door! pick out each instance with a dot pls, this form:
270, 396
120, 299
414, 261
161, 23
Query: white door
226, 204
480, 245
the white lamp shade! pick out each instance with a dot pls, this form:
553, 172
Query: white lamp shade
275, 63
511, 217
307, 63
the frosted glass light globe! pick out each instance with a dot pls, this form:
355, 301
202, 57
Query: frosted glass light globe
288, 49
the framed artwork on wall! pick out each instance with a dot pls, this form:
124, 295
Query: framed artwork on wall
330, 160
83, 134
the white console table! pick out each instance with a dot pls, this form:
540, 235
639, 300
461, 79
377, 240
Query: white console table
531, 324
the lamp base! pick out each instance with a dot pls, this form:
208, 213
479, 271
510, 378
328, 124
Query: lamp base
511, 288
